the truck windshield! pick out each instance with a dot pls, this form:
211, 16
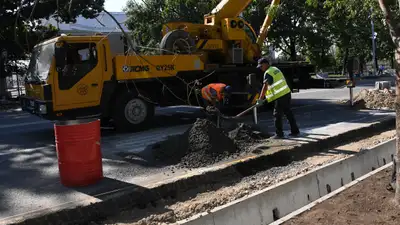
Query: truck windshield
40, 63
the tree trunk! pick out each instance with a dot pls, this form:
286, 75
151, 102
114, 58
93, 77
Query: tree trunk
361, 64
394, 30
396, 158
392, 60
376, 62
346, 56
3, 87
293, 55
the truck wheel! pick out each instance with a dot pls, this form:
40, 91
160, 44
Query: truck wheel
132, 113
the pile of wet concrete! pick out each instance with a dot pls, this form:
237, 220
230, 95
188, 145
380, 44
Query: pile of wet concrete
205, 144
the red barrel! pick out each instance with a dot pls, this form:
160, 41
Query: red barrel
78, 152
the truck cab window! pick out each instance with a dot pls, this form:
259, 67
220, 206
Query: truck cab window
81, 59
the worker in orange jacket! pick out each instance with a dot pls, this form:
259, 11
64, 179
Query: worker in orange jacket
215, 94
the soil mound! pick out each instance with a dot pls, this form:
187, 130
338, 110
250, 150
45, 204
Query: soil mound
204, 135
245, 135
375, 99
204, 144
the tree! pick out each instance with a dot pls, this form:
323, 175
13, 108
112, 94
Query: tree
349, 23
318, 40
393, 23
21, 28
290, 27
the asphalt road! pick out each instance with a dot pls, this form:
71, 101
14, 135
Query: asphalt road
28, 162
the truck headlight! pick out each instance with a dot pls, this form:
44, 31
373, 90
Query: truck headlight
42, 109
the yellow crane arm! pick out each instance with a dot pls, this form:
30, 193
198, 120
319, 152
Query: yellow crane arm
233, 8
267, 22
230, 8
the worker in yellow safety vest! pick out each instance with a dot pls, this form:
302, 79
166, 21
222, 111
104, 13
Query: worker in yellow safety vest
276, 89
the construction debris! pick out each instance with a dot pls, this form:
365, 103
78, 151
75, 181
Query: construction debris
204, 144
374, 99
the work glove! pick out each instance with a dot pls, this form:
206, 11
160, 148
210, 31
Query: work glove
260, 102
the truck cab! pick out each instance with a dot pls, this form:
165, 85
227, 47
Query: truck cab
79, 77
71, 87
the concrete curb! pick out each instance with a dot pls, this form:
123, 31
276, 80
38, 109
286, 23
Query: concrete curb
141, 197
328, 196
268, 206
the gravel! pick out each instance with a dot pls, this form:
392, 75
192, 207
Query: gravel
186, 205
246, 136
204, 144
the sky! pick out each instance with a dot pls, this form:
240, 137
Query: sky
115, 5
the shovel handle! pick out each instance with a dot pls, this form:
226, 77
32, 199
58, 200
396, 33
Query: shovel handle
246, 111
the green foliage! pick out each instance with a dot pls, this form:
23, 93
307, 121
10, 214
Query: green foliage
20, 28
301, 29
289, 27
255, 14
349, 24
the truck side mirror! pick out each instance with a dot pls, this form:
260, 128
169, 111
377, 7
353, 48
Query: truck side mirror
60, 55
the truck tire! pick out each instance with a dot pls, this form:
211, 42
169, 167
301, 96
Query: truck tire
177, 41
132, 113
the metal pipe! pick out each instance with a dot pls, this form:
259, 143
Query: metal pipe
351, 97
255, 116
373, 43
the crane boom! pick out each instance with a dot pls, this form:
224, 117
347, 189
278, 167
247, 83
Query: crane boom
233, 8
230, 8
267, 22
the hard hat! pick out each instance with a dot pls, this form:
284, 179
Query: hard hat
262, 61
228, 89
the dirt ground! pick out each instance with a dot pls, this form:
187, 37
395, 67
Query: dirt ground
205, 198
368, 202
374, 99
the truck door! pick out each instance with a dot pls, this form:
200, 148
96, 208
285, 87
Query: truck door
79, 84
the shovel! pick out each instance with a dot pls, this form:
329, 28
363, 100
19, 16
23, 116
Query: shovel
219, 116
253, 107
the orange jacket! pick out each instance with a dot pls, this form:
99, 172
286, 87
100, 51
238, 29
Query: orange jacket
213, 91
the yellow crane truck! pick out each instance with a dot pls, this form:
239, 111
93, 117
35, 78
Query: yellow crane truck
75, 77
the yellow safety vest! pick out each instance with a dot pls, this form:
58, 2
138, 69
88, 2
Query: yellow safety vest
279, 88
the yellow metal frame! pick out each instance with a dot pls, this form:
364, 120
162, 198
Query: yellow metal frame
155, 66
